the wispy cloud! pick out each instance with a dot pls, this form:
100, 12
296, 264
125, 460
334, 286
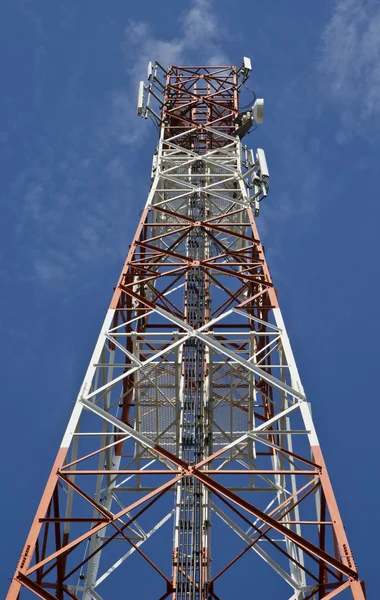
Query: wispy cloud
72, 201
39, 52
198, 39
349, 65
66, 210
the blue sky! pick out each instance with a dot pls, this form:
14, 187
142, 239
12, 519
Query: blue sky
75, 171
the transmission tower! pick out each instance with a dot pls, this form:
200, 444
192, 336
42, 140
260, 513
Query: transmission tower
191, 447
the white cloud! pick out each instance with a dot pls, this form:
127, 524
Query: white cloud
52, 265
197, 40
349, 64
72, 212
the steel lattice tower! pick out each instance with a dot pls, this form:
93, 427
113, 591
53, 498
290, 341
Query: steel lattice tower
192, 417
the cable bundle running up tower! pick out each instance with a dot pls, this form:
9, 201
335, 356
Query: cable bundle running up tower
191, 447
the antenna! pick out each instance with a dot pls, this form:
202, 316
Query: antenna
244, 71
258, 111
261, 159
247, 64
150, 70
140, 99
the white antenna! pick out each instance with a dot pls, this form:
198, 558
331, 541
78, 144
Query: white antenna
247, 63
261, 159
150, 70
258, 111
244, 71
140, 99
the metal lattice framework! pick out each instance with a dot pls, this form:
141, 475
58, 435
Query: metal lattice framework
192, 415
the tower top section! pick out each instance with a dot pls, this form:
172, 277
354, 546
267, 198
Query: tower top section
197, 109
218, 86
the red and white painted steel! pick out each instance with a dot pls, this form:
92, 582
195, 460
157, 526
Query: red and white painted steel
192, 411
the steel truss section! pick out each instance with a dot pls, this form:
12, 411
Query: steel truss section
192, 414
